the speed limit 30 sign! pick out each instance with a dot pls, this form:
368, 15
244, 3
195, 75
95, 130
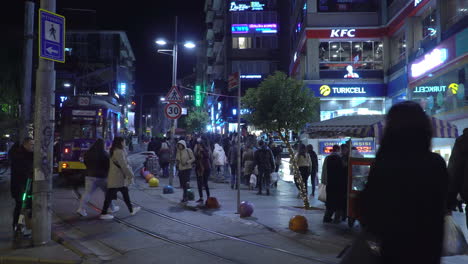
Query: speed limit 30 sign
173, 111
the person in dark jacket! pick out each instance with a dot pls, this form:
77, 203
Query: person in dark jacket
266, 163
96, 160
458, 171
164, 158
21, 158
419, 177
336, 187
314, 169
203, 169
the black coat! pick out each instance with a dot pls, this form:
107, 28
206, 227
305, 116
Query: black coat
458, 170
313, 157
404, 204
21, 169
97, 164
336, 183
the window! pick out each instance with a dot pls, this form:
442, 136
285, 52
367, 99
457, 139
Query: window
336, 55
347, 6
241, 43
456, 10
429, 25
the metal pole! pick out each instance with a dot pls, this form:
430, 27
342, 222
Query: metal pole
238, 144
43, 136
141, 118
27, 68
174, 68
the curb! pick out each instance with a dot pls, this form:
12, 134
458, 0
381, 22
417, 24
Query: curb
27, 260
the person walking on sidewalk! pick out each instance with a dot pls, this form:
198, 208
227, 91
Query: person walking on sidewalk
184, 160
458, 171
96, 160
406, 235
219, 160
203, 169
248, 160
305, 164
21, 158
314, 168
335, 186
120, 176
164, 158
265, 162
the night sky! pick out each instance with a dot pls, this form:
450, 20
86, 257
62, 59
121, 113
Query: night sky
144, 21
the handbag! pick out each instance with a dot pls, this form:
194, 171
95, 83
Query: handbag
454, 240
322, 193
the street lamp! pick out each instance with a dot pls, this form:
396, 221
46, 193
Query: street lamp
174, 52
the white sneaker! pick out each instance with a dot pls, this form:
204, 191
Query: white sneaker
115, 209
136, 209
82, 212
106, 217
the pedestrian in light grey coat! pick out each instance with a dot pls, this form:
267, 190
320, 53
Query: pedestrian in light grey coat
120, 176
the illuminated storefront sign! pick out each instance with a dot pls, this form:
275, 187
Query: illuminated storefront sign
252, 28
340, 33
198, 98
247, 6
348, 90
430, 89
430, 61
363, 146
122, 88
251, 76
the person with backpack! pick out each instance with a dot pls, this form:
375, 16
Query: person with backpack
305, 164
164, 158
96, 160
184, 160
119, 177
266, 164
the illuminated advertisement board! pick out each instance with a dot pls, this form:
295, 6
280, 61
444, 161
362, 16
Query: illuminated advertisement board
348, 90
237, 6
254, 28
363, 146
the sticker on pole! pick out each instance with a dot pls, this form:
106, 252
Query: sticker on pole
173, 111
51, 36
174, 95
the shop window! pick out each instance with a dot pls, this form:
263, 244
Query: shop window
456, 10
241, 43
347, 6
361, 55
430, 25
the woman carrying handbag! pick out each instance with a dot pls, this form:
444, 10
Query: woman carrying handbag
120, 176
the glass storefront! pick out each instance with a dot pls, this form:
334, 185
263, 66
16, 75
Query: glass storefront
363, 55
330, 108
443, 94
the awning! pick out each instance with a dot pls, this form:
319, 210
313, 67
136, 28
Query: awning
362, 126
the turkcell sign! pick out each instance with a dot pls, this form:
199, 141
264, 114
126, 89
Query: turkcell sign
343, 33
51, 36
430, 61
348, 90
430, 89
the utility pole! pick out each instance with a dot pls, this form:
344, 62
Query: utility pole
27, 69
141, 119
174, 68
43, 137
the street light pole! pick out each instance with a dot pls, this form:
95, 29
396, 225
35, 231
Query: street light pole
174, 68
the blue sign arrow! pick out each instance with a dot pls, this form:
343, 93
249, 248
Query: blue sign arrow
51, 36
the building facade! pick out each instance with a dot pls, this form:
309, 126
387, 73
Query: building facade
360, 57
98, 63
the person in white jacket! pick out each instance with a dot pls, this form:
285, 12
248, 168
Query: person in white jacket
120, 176
219, 161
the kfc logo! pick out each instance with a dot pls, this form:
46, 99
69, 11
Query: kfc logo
341, 33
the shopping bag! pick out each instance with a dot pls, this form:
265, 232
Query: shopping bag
322, 193
274, 177
454, 240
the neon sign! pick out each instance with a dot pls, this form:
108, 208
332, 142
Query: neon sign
340, 33
249, 6
430, 61
251, 76
251, 28
430, 89
198, 99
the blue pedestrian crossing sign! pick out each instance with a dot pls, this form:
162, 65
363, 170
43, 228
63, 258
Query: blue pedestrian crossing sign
51, 36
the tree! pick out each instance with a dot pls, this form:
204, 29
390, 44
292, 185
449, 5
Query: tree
196, 121
281, 104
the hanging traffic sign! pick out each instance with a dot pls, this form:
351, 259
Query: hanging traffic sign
173, 111
174, 95
51, 36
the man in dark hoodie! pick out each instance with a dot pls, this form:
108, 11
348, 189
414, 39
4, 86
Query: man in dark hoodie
266, 164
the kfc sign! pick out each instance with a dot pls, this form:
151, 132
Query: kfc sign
343, 33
